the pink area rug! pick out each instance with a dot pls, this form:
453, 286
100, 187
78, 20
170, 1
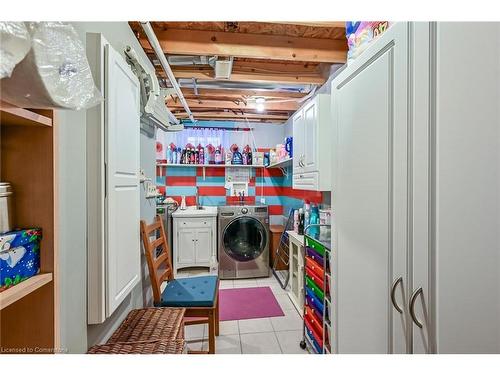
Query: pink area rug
248, 303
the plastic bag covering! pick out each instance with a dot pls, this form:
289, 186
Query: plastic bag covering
55, 73
15, 42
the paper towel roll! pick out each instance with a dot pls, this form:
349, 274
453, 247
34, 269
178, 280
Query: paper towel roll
55, 73
15, 42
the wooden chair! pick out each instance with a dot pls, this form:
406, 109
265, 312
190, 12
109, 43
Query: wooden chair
199, 295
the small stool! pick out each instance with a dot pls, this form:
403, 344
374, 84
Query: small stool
151, 330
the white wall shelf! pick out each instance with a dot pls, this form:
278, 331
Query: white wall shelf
281, 164
208, 165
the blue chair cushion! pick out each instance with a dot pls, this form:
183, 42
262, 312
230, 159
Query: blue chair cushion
190, 292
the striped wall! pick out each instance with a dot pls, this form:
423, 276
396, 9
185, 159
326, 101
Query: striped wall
269, 184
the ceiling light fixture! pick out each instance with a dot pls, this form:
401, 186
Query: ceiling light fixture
260, 104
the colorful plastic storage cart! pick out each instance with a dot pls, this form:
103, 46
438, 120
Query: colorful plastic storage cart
317, 305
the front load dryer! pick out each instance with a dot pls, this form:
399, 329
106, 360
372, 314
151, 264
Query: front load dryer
243, 242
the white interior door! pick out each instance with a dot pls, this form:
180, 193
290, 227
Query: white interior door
122, 181
370, 198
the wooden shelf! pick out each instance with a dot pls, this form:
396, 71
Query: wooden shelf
208, 165
15, 293
281, 164
12, 115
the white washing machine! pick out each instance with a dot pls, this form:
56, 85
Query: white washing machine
243, 242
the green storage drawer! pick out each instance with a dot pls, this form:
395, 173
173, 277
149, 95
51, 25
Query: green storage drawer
315, 245
316, 289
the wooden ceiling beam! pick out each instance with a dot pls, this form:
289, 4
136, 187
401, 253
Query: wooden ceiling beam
259, 46
333, 24
240, 93
241, 116
194, 104
208, 74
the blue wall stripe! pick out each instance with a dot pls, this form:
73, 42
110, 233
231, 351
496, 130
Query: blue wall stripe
213, 200
181, 190
210, 181
269, 181
160, 180
181, 171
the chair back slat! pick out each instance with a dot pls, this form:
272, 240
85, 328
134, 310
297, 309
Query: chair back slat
159, 264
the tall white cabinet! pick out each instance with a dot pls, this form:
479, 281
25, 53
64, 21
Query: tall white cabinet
416, 192
113, 207
370, 195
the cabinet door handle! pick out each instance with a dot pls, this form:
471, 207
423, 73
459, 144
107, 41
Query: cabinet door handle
412, 307
399, 280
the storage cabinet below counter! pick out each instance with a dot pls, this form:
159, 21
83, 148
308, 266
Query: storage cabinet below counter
194, 238
312, 145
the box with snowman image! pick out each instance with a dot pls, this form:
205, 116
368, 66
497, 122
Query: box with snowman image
19, 256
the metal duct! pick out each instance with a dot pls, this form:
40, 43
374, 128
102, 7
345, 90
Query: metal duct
210, 84
153, 41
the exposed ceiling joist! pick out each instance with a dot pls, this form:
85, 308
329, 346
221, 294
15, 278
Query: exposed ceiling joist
236, 76
239, 116
196, 42
338, 24
194, 104
238, 93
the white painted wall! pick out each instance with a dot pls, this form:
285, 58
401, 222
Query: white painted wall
76, 336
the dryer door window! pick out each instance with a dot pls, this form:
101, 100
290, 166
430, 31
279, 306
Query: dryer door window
244, 239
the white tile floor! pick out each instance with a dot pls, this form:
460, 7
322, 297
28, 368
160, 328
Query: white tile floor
276, 335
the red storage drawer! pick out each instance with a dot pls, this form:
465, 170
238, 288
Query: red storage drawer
314, 322
318, 338
318, 281
315, 267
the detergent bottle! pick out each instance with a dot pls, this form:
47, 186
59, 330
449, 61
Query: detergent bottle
314, 219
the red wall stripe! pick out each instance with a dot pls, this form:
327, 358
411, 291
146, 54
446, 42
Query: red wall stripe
272, 191
212, 190
313, 196
273, 172
180, 181
236, 200
211, 172
275, 210
190, 199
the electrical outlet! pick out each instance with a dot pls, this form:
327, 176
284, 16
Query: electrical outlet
151, 191
263, 200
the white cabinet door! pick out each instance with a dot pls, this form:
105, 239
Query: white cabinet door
370, 199
203, 245
466, 180
298, 142
122, 180
186, 246
311, 125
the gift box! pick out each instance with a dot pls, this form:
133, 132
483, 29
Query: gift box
19, 256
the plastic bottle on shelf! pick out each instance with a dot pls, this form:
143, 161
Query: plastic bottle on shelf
314, 219
169, 156
183, 157
178, 156
307, 213
218, 155
300, 229
201, 154
193, 157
